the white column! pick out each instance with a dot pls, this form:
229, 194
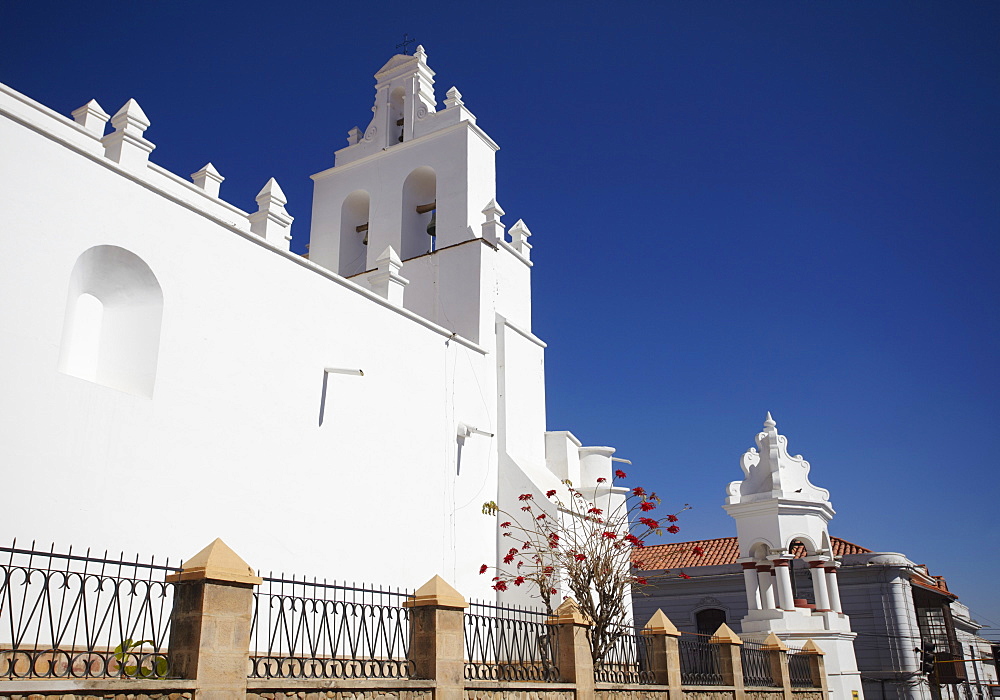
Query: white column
833, 588
751, 584
786, 599
766, 590
820, 595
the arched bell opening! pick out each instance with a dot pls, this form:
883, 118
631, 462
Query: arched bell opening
396, 119
419, 219
354, 218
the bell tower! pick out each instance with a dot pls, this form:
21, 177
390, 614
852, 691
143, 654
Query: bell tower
417, 179
776, 506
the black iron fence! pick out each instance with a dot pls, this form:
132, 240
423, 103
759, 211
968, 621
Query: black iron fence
507, 643
66, 615
757, 669
700, 664
799, 669
304, 629
627, 658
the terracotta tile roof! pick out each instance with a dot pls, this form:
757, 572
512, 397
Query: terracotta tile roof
723, 550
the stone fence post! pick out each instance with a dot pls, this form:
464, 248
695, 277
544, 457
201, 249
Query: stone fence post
817, 666
779, 663
664, 654
576, 662
730, 657
210, 623
437, 637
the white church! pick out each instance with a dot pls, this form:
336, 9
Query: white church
174, 373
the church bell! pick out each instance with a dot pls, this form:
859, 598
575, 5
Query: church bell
432, 224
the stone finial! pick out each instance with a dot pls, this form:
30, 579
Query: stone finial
208, 179
725, 635
126, 144
773, 643
420, 54
386, 280
769, 422
492, 228
810, 647
271, 222
519, 234
436, 592
91, 117
453, 98
569, 612
216, 562
354, 136
660, 624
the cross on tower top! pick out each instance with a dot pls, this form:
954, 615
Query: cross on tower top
405, 44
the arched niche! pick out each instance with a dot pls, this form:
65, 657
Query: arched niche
111, 330
354, 217
759, 551
419, 202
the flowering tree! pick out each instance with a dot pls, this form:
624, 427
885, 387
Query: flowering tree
587, 541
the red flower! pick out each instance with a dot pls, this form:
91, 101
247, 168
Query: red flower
638, 491
506, 534
550, 494
683, 575
547, 570
580, 557
500, 586
609, 535
554, 537
526, 545
637, 565
631, 538
671, 518
525, 497
650, 523
506, 524
520, 564
541, 517
601, 480
595, 511
698, 551
641, 581
519, 580
619, 474
508, 559
483, 568
512, 550
673, 529
647, 505
552, 591
527, 509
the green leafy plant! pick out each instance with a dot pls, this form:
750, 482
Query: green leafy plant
157, 667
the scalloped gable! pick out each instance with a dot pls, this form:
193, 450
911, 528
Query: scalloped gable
770, 472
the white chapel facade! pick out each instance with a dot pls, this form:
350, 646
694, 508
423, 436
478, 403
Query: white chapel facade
172, 364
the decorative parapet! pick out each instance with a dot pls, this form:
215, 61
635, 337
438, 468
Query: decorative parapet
519, 234
271, 222
208, 179
492, 228
386, 280
92, 118
126, 144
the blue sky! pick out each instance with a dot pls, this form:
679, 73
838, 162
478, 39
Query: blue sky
737, 207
